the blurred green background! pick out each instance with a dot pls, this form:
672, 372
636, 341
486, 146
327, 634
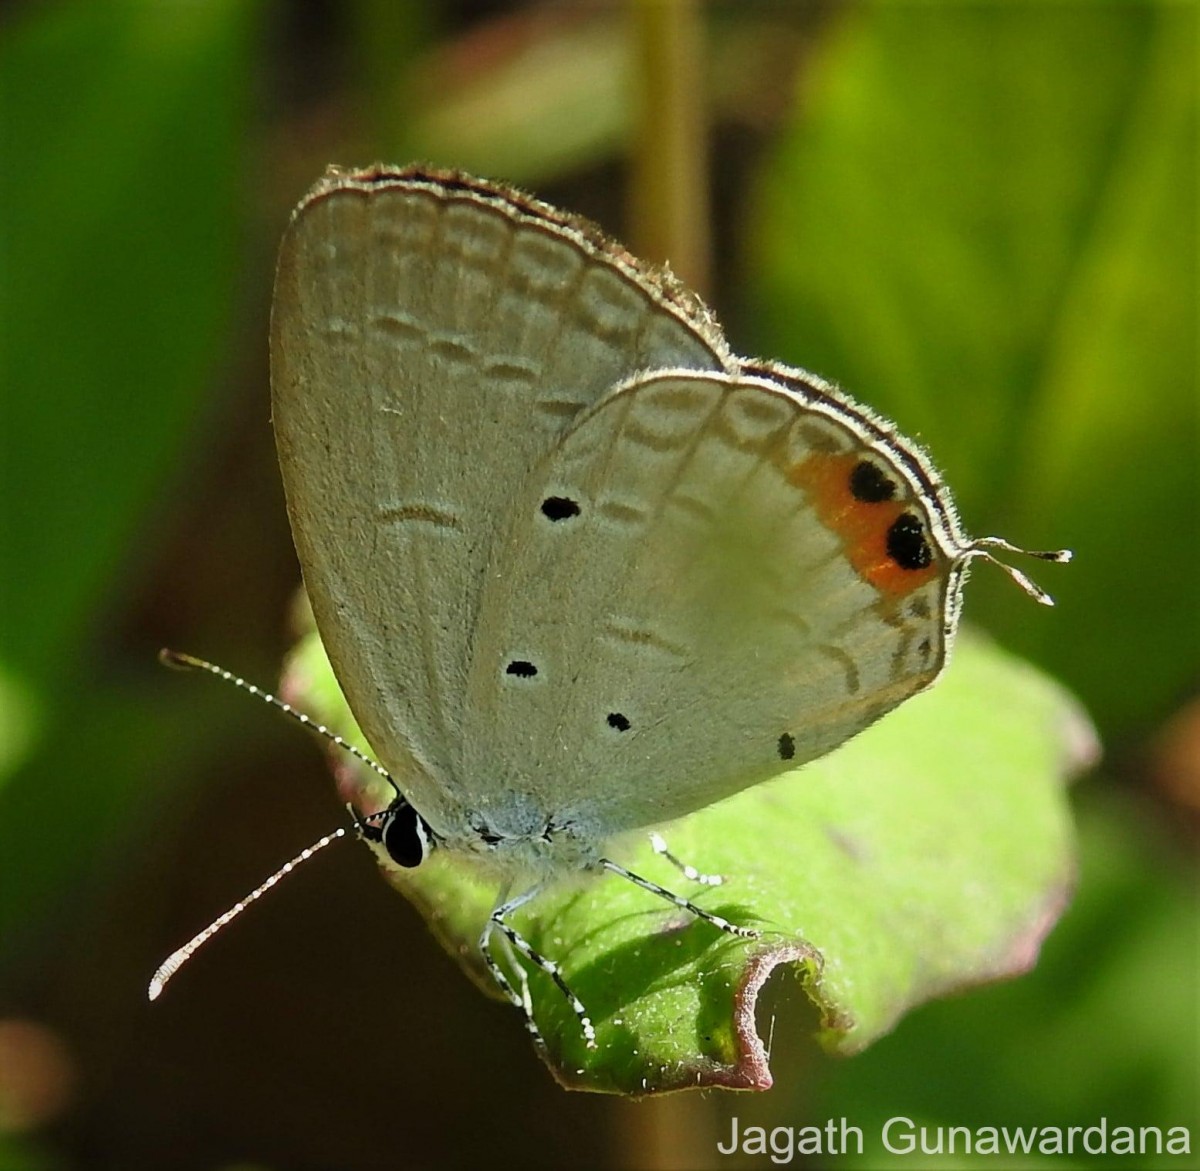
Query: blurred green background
980, 218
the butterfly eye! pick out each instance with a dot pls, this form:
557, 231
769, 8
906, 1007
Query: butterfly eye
405, 835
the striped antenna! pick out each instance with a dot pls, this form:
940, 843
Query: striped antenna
178, 958
183, 662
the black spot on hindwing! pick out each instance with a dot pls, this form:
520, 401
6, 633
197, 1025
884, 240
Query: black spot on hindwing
907, 544
869, 484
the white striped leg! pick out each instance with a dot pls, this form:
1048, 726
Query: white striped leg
496, 922
659, 846
518, 999
523, 977
679, 901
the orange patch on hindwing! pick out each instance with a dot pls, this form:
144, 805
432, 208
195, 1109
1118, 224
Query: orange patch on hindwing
884, 538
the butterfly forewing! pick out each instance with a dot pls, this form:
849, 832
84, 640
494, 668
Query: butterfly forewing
696, 626
431, 337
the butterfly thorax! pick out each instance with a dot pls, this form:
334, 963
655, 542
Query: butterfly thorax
512, 836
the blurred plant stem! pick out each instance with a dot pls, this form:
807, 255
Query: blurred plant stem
669, 189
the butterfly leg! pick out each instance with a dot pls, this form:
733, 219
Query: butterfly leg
497, 921
520, 999
515, 965
679, 901
659, 846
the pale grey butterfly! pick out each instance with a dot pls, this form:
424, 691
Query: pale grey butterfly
579, 569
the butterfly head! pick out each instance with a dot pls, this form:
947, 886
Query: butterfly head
402, 833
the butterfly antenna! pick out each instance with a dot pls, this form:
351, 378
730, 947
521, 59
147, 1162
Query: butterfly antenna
182, 662
983, 548
178, 958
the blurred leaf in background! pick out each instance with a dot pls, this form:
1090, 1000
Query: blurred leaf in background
127, 120
121, 254
983, 221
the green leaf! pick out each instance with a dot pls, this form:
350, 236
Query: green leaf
932, 852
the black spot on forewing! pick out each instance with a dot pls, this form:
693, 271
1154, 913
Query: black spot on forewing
559, 508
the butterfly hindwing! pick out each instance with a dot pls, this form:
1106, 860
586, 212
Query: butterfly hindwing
676, 614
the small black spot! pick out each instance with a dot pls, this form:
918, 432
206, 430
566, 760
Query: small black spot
907, 545
869, 484
618, 721
521, 668
787, 746
925, 648
559, 508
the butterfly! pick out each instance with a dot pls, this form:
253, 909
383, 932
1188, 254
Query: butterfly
579, 569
